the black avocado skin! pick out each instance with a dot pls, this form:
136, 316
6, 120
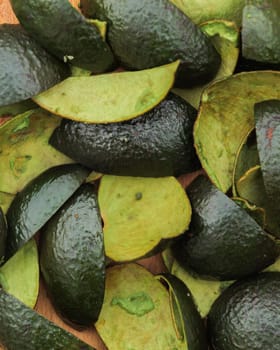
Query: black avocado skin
158, 143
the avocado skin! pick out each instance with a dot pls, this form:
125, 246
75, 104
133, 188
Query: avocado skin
158, 143
26, 68
23, 328
64, 32
149, 33
223, 241
3, 235
72, 258
247, 315
39, 200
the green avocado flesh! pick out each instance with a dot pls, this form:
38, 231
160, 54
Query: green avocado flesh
22, 75
23, 328
19, 276
96, 99
5, 201
188, 320
158, 143
225, 37
221, 231
72, 257
247, 315
261, 31
149, 33
226, 116
139, 213
136, 312
14, 109
201, 11
65, 33
39, 200
24, 149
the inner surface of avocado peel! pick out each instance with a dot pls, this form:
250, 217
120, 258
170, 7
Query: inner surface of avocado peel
111, 97
139, 213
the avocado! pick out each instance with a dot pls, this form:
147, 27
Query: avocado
72, 258
224, 241
189, 322
247, 315
39, 200
3, 235
150, 33
158, 143
65, 33
26, 68
261, 31
23, 328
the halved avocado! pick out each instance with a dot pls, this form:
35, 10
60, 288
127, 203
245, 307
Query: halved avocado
5, 200
72, 258
19, 276
24, 75
223, 241
136, 312
140, 213
39, 200
158, 143
109, 98
261, 31
65, 33
225, 37
24, 149
226, 115
256, 212
23, 328
149, 33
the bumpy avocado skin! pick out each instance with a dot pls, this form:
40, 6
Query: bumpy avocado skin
72, 258
23, 328
26, 68
158, 143
3, 235
247, 315
223, 241
150, 33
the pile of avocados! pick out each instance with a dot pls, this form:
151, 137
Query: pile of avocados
106, 111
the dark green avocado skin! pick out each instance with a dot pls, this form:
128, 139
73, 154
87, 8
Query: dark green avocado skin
267, 118
39, 200
72, 258
149, 33
192, 322
247, 315
3, 235
223, 242
26, 68
65, 33
158, 143
22, 328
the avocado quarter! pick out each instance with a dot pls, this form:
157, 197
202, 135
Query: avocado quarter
158, 143
149, 33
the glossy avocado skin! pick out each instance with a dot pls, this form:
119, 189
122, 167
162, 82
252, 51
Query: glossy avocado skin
23, 328
72, 258
149, 33
65, 33
247, 315
24, 75
158, 143
3, 235
39, 200
223, 242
